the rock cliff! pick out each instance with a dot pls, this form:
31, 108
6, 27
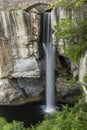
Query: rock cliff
20, 56
22, 64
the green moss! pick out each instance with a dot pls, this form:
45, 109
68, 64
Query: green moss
17, 8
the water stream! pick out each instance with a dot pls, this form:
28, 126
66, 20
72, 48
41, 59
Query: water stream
50, 62
82, 73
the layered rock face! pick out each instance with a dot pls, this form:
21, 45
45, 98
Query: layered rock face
20, 67
21, 62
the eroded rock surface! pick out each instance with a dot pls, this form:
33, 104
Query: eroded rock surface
20, 58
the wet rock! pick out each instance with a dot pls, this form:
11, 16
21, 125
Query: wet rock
17, 91
32, 87
68, 91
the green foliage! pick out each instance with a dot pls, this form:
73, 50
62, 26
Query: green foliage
4, 125
85, 78
78, 3
72, 29
80, 107
17, 8
14, 126
74, 52
72, 82
83, 31
68, 119
67, 3
65, 29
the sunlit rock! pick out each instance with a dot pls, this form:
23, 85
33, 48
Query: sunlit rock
19, 54
26, 68
54, 22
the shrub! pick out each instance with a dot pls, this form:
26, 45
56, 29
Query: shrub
4, 125
14, 126
74, 52
65, 29
67, 119
2, 122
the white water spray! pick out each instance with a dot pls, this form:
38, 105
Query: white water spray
50, 63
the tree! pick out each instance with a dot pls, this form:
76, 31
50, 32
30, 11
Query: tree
73, 28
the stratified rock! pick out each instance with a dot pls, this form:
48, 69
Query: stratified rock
19, 55
6, 64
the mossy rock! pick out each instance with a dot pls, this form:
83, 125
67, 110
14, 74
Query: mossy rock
68, 90
85, 78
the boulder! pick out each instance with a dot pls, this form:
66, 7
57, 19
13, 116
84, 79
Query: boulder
22, 90
26, 68
68, 91
8, 93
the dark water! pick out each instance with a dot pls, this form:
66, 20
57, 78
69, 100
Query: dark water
30, 113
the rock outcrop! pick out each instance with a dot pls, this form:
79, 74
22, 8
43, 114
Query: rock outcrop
20, 57
68, 91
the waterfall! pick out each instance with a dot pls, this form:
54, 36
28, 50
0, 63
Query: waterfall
82, 73
50, 62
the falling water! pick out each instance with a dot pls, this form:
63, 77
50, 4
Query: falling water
82, 73
50, 62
